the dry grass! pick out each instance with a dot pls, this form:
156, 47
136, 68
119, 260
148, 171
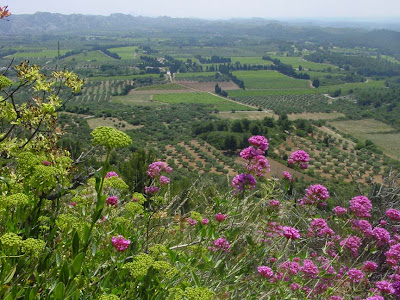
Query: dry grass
111, 122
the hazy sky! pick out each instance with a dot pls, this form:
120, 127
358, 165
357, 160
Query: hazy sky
212, 9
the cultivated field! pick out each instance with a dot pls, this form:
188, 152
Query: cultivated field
209, 86
269, 80
212, 101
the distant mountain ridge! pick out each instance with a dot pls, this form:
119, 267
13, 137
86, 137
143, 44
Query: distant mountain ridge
43, 23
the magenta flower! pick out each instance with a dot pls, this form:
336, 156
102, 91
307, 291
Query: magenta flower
154, 170
112, 201
377, 297
72, 204
220, 244
164, 180
384, 287
248, 153
205, 221
120, 243
260, 142
265, 271
351, 243
288, 176
309, 268
339, 211
335, 298
369, 266
393, 214
320, 228
111, 174
220, 217
382, 236
46, 163
393, 255
239, 182
316, 194
191, 221
151, 189
355, 275
291, 232
299, 156
361, 206
363, 225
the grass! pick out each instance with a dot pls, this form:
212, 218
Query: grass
316, 116
372, 130
170, 86
125, 52
269, 80
213, 102
295, 62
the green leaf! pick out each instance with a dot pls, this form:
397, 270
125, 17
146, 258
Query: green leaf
75, 244
64, 274
77, 263
10, 275
195, 278
5, 181
59, 291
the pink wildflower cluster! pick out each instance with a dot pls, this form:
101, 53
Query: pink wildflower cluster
265, 271
151, 189
112, 201
339, 211
288, 176
46, 163
377, 297
299, 157
289, 267
362, 225
256, 161
154, 171
355, 275
315, 194
369, 266
291, 232
351, 243
384, 287
120, 243
220, 217
319, 227
361, 206
220, 244
111, 174
309, 268
393, 255
381, 235
239, 182
393, 214
191, 221
205, 221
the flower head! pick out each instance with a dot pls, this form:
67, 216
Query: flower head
291, 232
111, 174
120, 243
110, 137
220, 217
239, 182
265, 271
112, 201
393, 214
361, 206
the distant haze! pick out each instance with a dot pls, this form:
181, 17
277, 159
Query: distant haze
219, 9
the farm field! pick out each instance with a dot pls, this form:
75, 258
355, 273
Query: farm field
126, 52
212, 101
290, 104
137, 99
269, 80
377, 132
295, 62
209, 86
90, 56
316, 116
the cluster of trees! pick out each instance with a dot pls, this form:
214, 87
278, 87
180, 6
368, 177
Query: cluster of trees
363, 65
213, 60
176, 65
220, 91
